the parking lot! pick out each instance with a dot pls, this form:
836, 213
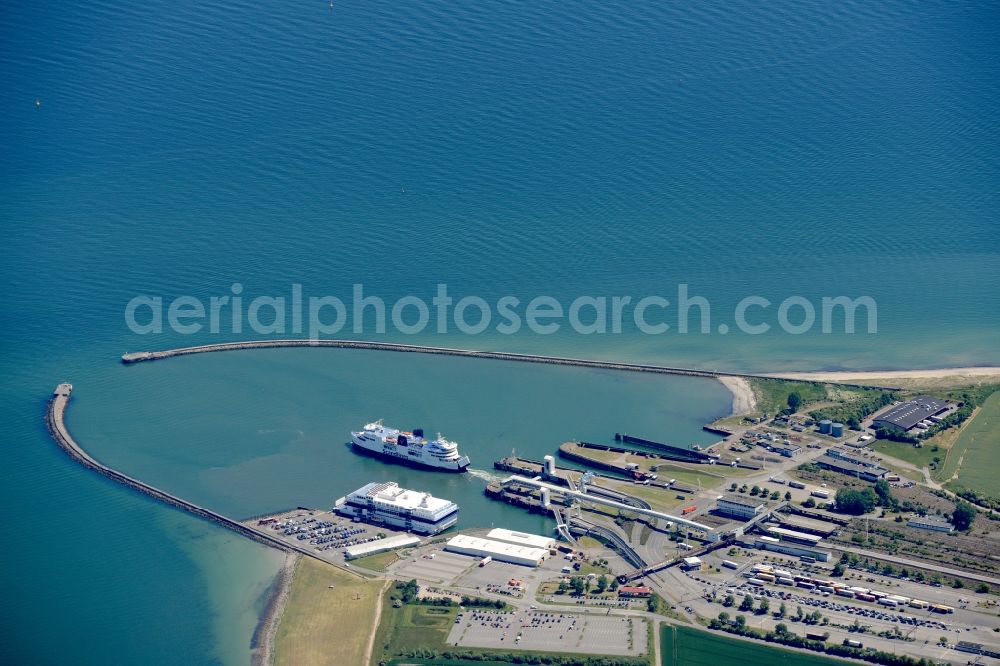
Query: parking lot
444, 568
433, 564
849, 618
494, 573
811, 601
324, 532
551, 631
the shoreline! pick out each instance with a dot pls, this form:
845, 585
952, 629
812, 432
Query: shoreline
848, 375
262, 648
744, 400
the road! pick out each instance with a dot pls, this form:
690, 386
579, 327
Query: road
378, 618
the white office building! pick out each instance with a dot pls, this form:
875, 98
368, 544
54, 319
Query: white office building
737, 506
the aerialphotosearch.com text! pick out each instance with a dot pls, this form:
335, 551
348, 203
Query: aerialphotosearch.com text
323, 316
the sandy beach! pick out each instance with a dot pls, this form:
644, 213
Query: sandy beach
744, 401
873, 375
263, 652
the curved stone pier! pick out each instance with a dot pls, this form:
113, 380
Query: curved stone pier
55, 420
139, 357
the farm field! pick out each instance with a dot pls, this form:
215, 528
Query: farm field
973, 457
684, 646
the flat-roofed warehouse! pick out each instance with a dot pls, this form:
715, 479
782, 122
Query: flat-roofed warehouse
809, 525
498, 550
521, 538
380, 545
930, 523
793, 536
844, 466
778, 546
906, 416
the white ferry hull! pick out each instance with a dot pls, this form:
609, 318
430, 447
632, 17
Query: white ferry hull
460, 465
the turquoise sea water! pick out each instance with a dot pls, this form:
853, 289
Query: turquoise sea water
565, 149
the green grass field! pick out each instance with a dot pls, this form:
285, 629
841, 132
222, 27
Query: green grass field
685, 646
974, 455
320, 621
921, 457
412, 627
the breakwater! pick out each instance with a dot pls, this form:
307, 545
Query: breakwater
140, 357
55, 421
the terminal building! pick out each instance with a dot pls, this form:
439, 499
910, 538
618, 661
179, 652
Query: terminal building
920, 411
738, 506
385, 503
498, 550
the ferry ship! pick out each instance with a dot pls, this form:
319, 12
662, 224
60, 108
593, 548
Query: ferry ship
409, 448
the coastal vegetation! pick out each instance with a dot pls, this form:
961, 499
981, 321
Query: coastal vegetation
845, 404
772, 395
858, 405
329, 611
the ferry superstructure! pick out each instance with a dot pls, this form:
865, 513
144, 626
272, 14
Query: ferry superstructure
410, 448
